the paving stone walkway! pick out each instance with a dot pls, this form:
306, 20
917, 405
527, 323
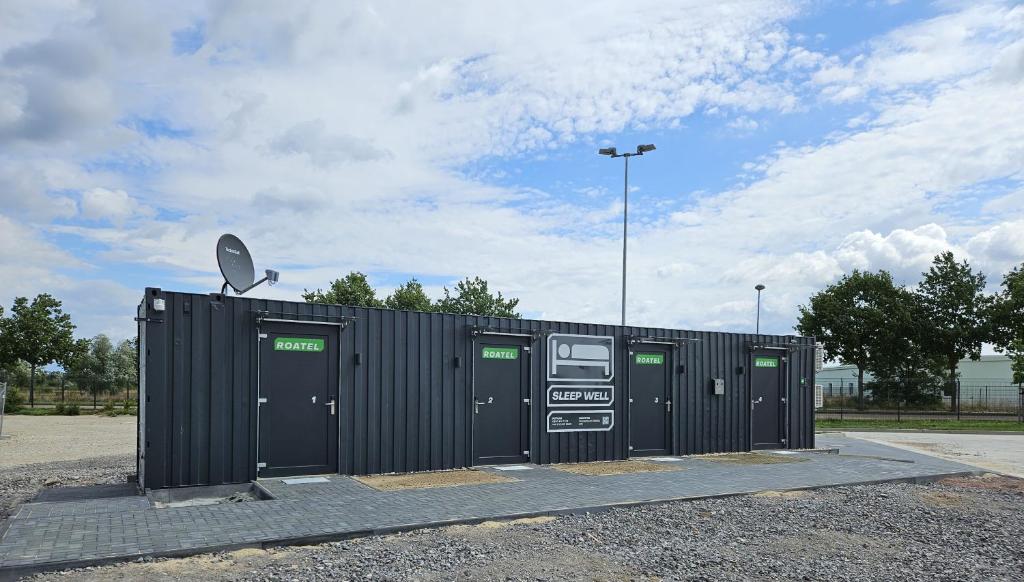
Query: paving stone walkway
63, 534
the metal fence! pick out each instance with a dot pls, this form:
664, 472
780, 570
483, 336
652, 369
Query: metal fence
48, 396
965, 400
3, 403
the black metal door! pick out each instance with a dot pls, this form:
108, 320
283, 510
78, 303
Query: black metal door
650, 399
298, 422
501, 372
766, 401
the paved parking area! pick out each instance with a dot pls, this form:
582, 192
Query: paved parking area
1003, 453
65, 534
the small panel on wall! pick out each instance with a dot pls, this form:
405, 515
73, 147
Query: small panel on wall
581, 420
580, 358
580, 395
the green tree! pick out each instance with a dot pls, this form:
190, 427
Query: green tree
6, 356
901, 363
38, 333
1006, 319
956, 309
17, 373
849, 318
95, 368
472, 297
126, 372
353, 289
71, 360
409, 297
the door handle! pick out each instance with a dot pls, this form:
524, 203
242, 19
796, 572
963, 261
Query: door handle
477, 403
331, 404
668, 406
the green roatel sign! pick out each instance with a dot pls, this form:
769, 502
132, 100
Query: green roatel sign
650, 359
502, 353
766, 362
298, 344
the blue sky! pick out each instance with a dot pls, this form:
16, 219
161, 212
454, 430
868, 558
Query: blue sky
796, 141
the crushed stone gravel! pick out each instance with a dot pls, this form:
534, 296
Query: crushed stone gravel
20, 483
958, 529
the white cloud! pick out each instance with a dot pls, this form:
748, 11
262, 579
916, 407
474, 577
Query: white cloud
31, 265
937, 50
904, 253
114, 206
1000, 247
332, 136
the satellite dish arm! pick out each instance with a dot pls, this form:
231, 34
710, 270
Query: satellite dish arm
270, 277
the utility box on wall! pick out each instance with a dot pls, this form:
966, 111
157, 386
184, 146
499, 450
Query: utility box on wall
718, 386
223, 379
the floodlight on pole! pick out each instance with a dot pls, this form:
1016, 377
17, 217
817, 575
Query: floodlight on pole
613, 153
759, 287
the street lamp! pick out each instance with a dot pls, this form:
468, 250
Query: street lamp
759, 288
612, 152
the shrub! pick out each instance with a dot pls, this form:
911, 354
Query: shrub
59, 408
15, 399
71, 410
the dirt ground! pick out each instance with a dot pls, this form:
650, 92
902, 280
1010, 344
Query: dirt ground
750, 458
615, 467
46, 439
429, 480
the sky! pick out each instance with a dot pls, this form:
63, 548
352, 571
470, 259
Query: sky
796, 141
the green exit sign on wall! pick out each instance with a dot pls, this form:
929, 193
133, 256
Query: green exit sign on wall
766, 362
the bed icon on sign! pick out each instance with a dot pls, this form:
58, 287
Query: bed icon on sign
580, 357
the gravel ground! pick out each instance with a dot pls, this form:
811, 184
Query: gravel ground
35, 439
20, 483
960, 529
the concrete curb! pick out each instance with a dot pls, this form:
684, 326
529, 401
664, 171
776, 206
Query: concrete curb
922, 430
15, 572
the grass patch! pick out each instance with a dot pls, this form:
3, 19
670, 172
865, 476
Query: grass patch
921, 424
26, 411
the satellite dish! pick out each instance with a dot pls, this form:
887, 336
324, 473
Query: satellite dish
236, 265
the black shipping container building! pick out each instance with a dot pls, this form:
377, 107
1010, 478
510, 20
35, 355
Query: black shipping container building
235, 388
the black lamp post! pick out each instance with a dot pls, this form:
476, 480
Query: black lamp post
759, 288
612, 152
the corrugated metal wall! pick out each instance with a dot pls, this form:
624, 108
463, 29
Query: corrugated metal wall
407, 406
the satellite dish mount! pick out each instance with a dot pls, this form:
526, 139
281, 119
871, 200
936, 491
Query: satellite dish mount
235, 264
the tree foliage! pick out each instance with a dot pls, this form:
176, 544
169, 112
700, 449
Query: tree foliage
125, 360
913, 340
1006, 319
472, 297
410, 297
352, 289
95, 367
849, 318
955, 305
38, 333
